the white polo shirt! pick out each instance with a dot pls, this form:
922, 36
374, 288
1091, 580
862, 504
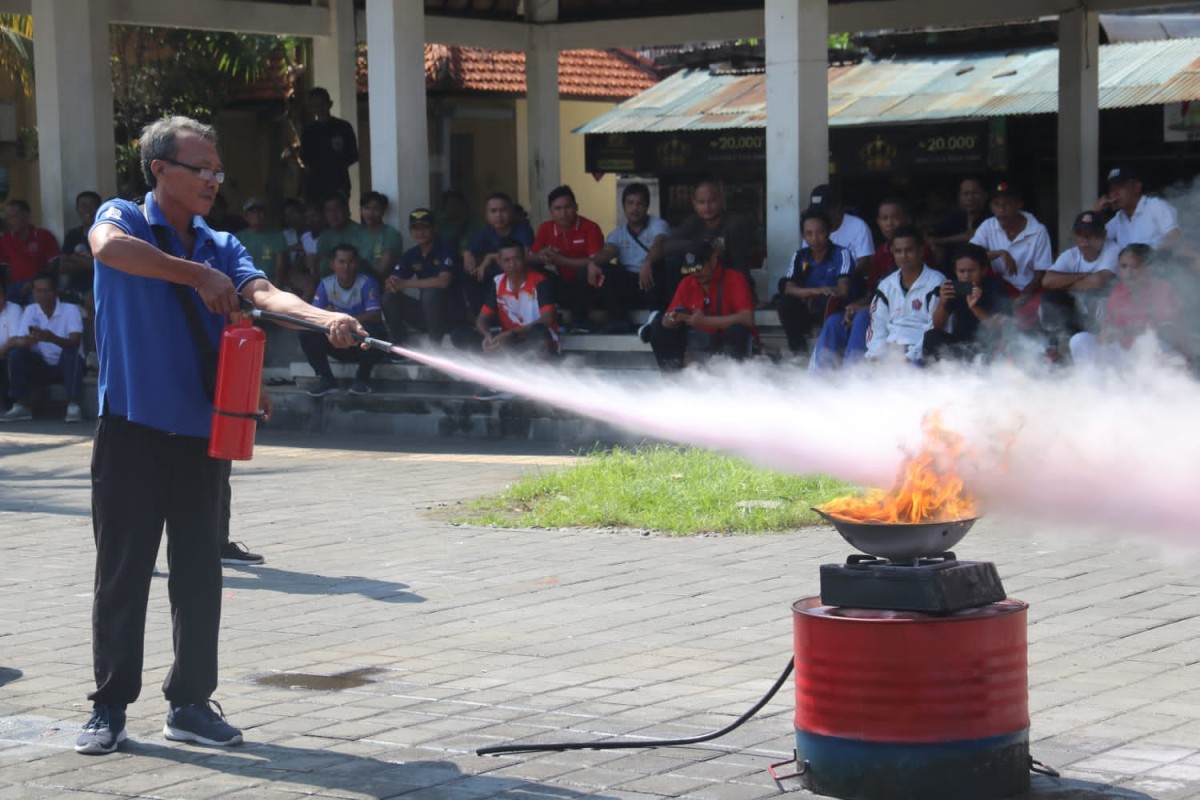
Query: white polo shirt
854, 235
1031, 248
10, 321
1152, 220
65, 320
1072, 261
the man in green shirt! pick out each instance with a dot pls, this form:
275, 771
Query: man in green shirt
379, 243
340, 230
265, 245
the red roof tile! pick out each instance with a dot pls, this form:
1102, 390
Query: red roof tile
593, 74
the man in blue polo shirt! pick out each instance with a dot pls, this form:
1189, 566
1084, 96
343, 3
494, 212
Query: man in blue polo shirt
416, 294
150, 462
481, 259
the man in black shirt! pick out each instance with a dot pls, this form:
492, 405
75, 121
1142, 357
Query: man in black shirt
967, 324
328, 147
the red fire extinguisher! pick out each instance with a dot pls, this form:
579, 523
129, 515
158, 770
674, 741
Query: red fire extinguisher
235, 401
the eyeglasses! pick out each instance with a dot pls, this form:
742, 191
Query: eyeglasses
204, 173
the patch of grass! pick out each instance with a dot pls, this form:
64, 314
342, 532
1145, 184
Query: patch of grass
669, 489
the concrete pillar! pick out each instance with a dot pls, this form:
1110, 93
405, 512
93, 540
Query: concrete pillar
1078, 116
797, 43
399, 134
334, 59
541, 91
73, 93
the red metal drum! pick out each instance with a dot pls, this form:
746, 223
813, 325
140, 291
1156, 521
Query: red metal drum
892, 705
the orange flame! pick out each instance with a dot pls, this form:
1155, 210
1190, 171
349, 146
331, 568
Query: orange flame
928, 489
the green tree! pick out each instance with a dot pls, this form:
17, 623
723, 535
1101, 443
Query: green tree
163, 71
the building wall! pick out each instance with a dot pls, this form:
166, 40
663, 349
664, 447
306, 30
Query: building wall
596, 197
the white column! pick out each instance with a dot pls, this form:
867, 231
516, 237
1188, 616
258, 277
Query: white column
73, 93
541, 92
334, 59
399, 136
797, 43
1078, 116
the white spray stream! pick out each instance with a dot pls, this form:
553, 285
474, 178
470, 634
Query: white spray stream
1086, 447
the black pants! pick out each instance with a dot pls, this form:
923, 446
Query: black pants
430, 314
143, 478
671, 345
575, 294
225, 511
800, 317
940, 344
621, 293
317, 350
1060, 314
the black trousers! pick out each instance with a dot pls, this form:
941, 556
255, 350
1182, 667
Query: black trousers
940, 344
621, 293
800, 317
671, 345
430, 314
143, 478
317, 350
225, 511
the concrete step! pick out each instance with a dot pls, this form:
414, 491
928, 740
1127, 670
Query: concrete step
418, 416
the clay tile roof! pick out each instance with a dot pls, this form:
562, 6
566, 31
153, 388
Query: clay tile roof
591, 74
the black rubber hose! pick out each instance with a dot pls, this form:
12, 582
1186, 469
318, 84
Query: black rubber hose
623, 744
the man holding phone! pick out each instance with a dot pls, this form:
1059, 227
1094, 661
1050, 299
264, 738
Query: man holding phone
967, 311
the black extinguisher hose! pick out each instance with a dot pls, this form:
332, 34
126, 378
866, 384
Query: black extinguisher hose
623, 744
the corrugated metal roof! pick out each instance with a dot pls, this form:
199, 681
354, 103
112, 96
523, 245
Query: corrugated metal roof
917, 89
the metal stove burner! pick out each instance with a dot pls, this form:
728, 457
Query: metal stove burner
936, 584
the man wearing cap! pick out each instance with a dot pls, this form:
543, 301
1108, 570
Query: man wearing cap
712, 312
416, 294
1017, 243
848, 231
266, 245
1078, 283
1137, 218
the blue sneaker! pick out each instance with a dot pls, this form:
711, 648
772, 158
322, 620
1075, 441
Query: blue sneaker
104, 732
199, 723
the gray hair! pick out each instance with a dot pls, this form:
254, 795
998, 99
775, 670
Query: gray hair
158, 141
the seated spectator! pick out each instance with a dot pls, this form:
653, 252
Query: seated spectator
416, 294
45, 351
712, 312
520, 303
729, 232
960, 225
349, 292
481, 261
969, 311
454, 224
846, 230
27, 249
298, 274
637, 248
339, 229
843, 337
381, 244
1140, 303
564, 245
1137, 218
819, 271
1076, 286
10, 327
219, 218
1017, 244
520, 216
76, 269
265, 245
901, 309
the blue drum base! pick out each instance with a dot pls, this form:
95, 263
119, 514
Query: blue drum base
851, 769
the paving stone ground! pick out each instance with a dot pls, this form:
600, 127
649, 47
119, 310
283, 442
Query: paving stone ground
429, 640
